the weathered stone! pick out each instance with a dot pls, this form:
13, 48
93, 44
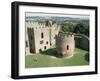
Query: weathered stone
65, 44
41, 36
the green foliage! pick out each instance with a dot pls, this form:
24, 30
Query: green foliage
67, 27
79, 28
82, 28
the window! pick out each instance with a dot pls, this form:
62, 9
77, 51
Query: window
40, 50
45, 47
47, 42
67, 47
42, 36
41, 42
50, 44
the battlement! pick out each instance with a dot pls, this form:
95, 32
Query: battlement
34, 24
65, 44
65, 35
37, 25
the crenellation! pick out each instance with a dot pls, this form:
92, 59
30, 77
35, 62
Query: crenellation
42, 37
65, 44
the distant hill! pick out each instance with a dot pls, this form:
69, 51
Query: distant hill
59, 20
55, 18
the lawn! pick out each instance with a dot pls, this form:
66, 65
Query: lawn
49, 59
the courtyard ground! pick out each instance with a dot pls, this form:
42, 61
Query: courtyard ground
49, 59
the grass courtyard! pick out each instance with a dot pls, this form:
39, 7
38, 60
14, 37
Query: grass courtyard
49, 59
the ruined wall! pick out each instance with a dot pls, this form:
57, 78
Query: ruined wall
82, 42
30, 34
41, 36
42, 39
65, 44
54, 30
27, 47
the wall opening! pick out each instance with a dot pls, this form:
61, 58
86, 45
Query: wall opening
47, 42
42, 35
45, 47
40, 50
41, 42
50, 44
67, 47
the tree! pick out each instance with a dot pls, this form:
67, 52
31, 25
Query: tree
82, 28
67, 27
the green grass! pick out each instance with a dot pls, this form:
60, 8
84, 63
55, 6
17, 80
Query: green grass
48, 59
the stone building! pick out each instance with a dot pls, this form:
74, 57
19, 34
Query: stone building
65, 44
40, 36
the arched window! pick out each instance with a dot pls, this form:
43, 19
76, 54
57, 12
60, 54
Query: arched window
67, 47
42, 36
40, 50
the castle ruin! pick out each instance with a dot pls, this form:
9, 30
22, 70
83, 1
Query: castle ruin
40, 36
65, 44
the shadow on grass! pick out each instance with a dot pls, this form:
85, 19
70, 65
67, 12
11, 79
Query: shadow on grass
87, 57
51, 52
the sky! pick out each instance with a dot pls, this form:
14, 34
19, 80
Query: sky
82, 16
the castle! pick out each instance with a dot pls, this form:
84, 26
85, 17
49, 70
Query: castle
40, 36
65, 44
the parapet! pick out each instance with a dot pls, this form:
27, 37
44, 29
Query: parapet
65, 35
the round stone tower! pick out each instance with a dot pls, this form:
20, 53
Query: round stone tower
65, 44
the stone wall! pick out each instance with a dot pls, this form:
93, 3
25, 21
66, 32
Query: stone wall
65, 44
31, 40
82, 42
41, 36
27, 47
42, 39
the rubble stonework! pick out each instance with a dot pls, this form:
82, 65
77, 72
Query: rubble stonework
40, 36
65, 44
